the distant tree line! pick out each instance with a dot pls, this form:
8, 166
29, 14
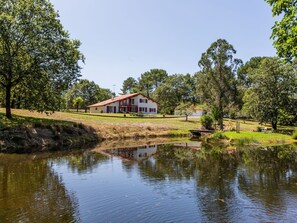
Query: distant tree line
263, 88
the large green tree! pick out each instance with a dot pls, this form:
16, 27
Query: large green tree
89, 91
150, 80
217, 84
272, 92
129, 85
36, 53
174, 90
284, 31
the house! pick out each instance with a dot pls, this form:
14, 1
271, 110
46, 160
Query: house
134, 153
197, 112
125, 104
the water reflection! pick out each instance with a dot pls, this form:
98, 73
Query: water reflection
31, 192
81, 162
178, 182
263, 180
134, 153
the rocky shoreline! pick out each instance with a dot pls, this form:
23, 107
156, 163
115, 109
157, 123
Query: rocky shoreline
44, 138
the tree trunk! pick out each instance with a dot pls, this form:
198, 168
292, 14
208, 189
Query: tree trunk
7, 101
76, 108
147, 91
274, 125
221, 119
186, 117
221, 123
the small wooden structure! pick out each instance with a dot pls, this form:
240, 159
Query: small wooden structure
199, 132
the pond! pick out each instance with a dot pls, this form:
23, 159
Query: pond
177, 182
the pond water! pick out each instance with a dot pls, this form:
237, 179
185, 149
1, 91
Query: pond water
178, 182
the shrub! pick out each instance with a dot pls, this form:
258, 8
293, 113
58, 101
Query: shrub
218, 135
206, 121
294, 136
259, 129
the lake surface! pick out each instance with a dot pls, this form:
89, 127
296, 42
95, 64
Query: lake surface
181, 182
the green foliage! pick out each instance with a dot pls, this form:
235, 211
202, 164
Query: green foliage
89, 91
286, 118
273, 87
218, 135
217, 84
129, 86
245, 72
284, 30
38, 60
77, 102
294, 136
207, 121
259, 129
150, 80
174, 90
215, 113
185, 109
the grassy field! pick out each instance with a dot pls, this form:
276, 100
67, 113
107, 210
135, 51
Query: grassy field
116, 126
258, 138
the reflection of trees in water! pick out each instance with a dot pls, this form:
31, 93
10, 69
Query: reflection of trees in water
260, 174
31, 192
82, 162
169, 162
215, 183
269, 174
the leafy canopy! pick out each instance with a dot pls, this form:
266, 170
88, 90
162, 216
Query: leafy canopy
217, 83
36, 53
284, 31
272, 92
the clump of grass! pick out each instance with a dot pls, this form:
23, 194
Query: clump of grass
294, 136
244, 141
218, 135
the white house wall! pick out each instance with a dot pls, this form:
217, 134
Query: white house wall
96, 109
115, 104
149, 105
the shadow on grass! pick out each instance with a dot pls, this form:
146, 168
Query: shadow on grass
190, 121
127, 116
18, 120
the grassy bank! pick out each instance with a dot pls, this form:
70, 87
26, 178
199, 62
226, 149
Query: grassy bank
258, 138
118, 127
109, 126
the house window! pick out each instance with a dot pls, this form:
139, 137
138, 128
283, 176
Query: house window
145, 100
145, 109
140, 100
96, 108
132, 101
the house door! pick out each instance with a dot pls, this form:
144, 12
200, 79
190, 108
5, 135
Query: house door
114, 109
107, 109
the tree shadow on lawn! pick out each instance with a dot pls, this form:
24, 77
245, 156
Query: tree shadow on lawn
18, 120
191, 121
123, 117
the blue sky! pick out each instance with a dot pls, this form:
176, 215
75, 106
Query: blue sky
122, 38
